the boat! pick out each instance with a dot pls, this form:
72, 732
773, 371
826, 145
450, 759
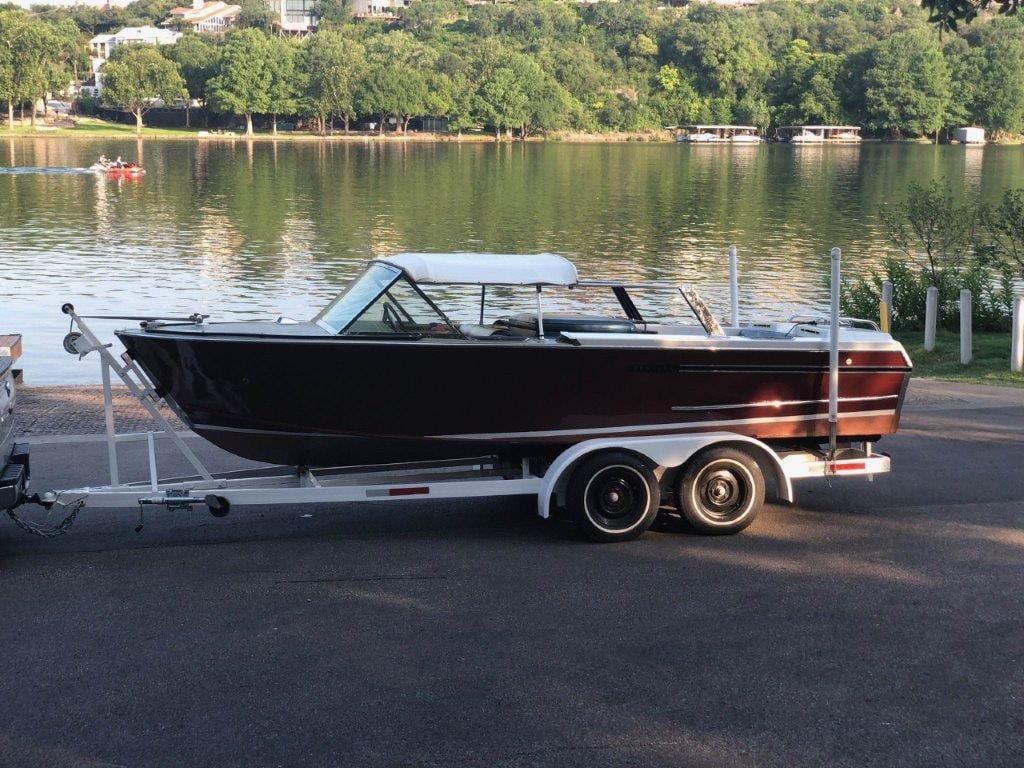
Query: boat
128, 170
382, 374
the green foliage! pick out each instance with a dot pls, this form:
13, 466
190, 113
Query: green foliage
1003, 226
630, 65
197, 59
930, 227
136, 75
256, 14
991, 295
907, 86
805, 87
331, 66
244, 78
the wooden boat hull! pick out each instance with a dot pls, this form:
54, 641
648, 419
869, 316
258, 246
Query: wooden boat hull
330, 400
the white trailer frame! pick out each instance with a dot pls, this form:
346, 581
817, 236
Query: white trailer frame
466, 478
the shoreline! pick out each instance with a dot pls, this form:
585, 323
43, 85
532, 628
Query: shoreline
107, 131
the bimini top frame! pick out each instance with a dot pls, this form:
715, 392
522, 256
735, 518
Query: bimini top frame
538, 270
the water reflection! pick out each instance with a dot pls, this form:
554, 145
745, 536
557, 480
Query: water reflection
257, 229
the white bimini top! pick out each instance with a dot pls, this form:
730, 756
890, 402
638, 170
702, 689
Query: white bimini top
485, 268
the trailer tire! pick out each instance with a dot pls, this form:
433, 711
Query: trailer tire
720, 490
613, 496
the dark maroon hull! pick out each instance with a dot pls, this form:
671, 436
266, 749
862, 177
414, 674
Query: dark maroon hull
334, 401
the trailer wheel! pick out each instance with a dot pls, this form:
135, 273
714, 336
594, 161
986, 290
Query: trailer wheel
613, 496
720, 490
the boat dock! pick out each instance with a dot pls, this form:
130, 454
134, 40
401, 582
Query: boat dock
819, 134
720, 134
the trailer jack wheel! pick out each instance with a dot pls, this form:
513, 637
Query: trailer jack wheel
218, 505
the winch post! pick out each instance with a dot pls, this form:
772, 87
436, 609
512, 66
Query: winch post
109, 362
108, 416
833, 362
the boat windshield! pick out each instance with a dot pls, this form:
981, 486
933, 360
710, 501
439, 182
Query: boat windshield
383, 302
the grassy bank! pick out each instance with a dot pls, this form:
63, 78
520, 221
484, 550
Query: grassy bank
991, 363
94, 128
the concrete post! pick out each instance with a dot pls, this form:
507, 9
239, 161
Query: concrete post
734, 287
931, 317
887, 298
1017, 343
966, 329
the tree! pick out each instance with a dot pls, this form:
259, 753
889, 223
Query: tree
256, 14
1004, 226
460, 112
332, 66
136, 76
244, 78
197, 60
395, 82
393, 90
10, 22
725, 51
907, 86
33, 50
930, 226
283, 80
804, 89
999, 103
333, 12
676, 99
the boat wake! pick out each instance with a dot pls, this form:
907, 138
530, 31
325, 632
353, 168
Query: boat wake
39, 171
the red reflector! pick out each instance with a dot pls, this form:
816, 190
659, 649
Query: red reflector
419, 491
851, 465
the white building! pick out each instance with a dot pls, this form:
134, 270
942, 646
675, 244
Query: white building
102, 46
378, 9
211, 16
294, 16
969, 135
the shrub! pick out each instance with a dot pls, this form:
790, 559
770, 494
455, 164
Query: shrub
991, 294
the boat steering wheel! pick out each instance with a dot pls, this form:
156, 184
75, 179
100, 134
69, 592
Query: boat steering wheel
391, 319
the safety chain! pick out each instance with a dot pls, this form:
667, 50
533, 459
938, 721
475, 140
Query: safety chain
45, 531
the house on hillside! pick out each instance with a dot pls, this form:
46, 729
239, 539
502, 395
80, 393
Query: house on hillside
210, 16
101, 46
294, 17
386, 10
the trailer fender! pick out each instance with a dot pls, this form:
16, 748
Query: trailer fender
663, 452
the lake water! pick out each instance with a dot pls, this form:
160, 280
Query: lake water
240, 230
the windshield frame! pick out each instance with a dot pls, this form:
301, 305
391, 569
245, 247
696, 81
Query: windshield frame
399, 275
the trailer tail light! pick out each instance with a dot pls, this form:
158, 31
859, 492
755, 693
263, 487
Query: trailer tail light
419, 490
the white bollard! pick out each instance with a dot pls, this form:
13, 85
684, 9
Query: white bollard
966, 328
931, 317
734, 287
887, 298
1017, 343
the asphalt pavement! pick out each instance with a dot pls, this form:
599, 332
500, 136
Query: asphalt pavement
868, 624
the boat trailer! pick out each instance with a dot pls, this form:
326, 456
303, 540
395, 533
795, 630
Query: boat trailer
669, 460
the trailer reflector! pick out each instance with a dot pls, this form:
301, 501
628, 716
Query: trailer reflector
420, 490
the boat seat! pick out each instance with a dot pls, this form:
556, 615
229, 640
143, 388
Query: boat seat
559, 322
477, 331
